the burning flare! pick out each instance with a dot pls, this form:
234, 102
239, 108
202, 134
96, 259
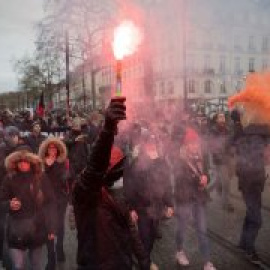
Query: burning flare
127, 38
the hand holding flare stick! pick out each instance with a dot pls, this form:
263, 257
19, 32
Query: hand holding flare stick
118, 91
127, 38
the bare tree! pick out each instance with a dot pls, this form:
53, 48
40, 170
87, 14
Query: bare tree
71, 35
85, 21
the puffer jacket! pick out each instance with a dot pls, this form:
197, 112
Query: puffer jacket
27, 187
106, 236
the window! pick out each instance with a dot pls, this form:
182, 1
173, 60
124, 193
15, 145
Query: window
265, 44
264, 64
170, 88
251, 43
222, 65
251, 64
237, 65
238, 85
223, 89
191, 87
207, 87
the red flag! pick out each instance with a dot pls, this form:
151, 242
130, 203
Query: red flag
41, 106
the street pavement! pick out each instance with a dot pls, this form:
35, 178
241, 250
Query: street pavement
222, 225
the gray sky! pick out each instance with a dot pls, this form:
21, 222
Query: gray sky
17, 36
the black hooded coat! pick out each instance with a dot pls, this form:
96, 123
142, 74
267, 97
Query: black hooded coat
106, 236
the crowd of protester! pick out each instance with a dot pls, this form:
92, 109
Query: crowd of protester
170, 163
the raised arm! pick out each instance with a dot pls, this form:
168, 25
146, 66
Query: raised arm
91, 179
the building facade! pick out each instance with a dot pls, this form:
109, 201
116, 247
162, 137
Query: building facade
212, 48
190, 50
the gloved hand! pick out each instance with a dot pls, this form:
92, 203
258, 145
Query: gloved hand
115, 112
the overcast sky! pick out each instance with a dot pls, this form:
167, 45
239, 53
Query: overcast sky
17, 36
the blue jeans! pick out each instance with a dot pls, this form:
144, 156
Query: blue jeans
198, 212
223, 181
19, 258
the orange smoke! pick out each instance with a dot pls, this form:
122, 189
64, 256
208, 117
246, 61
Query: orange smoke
255, 97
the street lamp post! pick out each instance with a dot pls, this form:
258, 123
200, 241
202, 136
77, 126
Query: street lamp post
93, 86
83, 82
67, 73
27, 100
184, 38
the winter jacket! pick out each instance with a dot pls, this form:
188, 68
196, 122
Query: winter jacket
147, 186
187, 183
106, 236
28, 187
58, 172
26, 125
34, 141
77, 153
5, 149
250, 164
219, 144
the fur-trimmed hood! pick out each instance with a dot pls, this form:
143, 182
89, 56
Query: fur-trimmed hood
62, 149
12, 160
